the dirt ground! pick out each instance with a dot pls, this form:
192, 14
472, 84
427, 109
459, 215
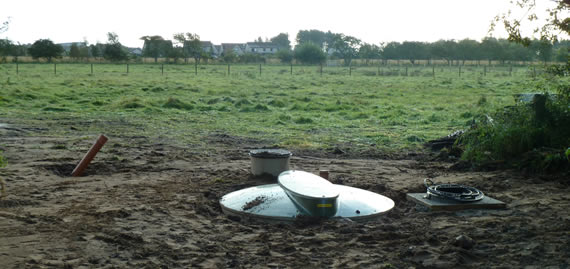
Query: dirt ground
155, 205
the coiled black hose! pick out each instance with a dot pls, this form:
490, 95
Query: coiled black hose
455, 192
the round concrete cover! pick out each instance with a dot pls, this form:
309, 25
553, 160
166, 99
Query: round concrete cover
270, 202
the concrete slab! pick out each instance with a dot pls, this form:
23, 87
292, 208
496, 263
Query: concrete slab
437, 204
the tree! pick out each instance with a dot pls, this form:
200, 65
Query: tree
413, 50
444, 49
95, 51
180, 40
156, 46
5, 47
286, 56
193, 47
493, 49
557, 21
468, 49
309, 53
84, 51
316, 37
113, 50
346, 47
112, 38
369, 51
543, 49
391, 51
519, 52
229, 56
282, 41
45, 48
562, 54
5, 26
74, 51
18, 50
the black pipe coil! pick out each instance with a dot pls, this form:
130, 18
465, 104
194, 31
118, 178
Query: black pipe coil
454, 192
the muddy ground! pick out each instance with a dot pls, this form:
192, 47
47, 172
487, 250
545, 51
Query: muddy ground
144, 204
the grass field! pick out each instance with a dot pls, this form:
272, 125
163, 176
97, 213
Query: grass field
378, 109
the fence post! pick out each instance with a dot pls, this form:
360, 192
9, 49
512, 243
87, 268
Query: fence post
127, 68
195, 67
484, 71
91, 69
406, 71
228, 70
378, 71
54, 69
17, 68
534, 71
260, 70
321, 69
350, 70
162, 69
511, 71
460, 71
433, 71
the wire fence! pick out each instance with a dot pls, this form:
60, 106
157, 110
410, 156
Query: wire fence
266, 70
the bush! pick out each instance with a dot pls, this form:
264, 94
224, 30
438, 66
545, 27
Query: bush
251, 58
513, 133
309, 53
286, 56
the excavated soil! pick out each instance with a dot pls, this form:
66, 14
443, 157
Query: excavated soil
155, 205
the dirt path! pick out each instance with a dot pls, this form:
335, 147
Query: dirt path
152, 205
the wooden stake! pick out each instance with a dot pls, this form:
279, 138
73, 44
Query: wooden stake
78, 171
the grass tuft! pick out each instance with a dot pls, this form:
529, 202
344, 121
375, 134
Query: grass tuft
177, 104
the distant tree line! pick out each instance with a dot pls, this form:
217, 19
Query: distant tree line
313, 47
344, 47
46, 49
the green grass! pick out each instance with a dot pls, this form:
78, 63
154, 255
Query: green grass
387, 112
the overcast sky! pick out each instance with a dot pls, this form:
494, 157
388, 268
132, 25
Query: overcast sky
231, 21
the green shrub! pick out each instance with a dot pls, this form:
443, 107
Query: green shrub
510, 134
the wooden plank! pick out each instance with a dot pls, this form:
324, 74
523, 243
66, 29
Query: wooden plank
437, 204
